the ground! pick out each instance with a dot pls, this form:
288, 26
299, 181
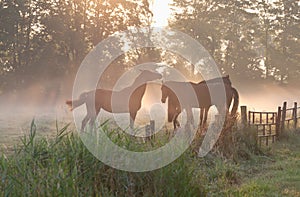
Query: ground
275, 175
62, 165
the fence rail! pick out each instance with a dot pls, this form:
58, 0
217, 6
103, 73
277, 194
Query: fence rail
269, 125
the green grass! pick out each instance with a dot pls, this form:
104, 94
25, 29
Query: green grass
62, 166
275, 174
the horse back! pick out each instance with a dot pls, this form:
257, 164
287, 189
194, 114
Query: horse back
224, 80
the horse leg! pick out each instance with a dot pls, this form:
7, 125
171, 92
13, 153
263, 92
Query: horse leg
200, 120
190, 117
92, 123
222, 109
201, 117
205, 116
132, 118
93, 120
204, 120
84, 122
175, 121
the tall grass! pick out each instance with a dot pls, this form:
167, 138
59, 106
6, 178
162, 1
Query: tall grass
237, 143
62, 166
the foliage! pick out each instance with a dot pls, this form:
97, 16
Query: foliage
238, 143
62, 166
248, 39
46, 39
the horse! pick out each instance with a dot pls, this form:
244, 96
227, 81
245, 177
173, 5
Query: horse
114, 101
172, 90
205, 100
201, 90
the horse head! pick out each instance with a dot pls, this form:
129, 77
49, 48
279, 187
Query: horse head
164, 93
226, 80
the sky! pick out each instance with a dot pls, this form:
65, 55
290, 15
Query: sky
161, 11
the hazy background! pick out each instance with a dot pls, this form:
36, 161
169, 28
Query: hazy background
42, 44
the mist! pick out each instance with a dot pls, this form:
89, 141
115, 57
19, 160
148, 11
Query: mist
45, 103
267, 97
49, 97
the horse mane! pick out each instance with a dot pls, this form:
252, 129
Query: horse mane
137, 81
224, 80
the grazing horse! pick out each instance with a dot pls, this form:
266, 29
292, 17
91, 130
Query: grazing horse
126, 100
201, 90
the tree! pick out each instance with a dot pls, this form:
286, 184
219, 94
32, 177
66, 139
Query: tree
42, 39
284, 53
244, 37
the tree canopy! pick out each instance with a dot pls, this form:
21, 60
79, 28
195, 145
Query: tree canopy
250, 40
50, 38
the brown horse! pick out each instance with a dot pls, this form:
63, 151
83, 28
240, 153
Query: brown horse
204, 98
201, 90
180, 97
126, 100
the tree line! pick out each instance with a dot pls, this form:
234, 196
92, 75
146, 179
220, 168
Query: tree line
50, 38
250, 40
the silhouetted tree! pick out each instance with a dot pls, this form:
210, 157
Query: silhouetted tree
248, 39
42, 39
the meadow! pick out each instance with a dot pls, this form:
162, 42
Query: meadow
60, 165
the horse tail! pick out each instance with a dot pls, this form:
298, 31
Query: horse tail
76, 103
235, 102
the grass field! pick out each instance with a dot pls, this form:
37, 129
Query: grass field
62, 166
277, 173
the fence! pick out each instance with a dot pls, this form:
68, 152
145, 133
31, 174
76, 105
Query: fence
269, 125
150, 130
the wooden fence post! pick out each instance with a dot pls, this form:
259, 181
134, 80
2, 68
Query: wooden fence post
249, 118
152, 129
295, 115
244, 116
148, 132
278, 122
283, 115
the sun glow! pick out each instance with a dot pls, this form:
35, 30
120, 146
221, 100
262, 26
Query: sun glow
161, 12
